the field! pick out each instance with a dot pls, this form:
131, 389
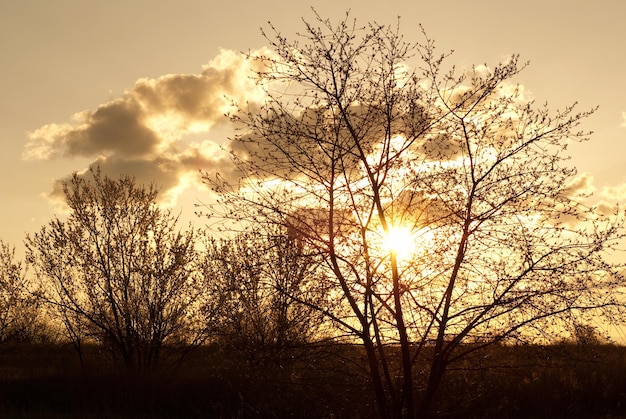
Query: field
560, 381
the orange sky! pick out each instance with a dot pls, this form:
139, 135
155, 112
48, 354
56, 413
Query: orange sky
138, 85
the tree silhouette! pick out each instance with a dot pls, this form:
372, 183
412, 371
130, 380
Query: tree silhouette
352, 143
118, 271
266, 286
18, 306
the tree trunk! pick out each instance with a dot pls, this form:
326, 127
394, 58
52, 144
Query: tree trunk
377, 382
434, 379
406, 404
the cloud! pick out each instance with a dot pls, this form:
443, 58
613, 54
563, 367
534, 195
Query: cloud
114, 128
623, 124
581, 186
143, 133
171, 173
612, 198
606, 200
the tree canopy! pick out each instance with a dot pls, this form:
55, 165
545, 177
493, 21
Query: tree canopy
364, 133
118, 271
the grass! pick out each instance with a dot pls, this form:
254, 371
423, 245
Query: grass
561, 381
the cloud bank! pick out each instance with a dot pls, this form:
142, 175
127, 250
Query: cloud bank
143, 132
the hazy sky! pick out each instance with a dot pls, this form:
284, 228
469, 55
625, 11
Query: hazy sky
138, 85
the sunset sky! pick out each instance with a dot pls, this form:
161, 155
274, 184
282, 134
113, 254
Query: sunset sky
138, 85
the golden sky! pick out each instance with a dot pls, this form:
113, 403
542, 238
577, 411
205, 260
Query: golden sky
138, 85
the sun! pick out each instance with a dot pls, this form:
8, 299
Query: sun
400, 241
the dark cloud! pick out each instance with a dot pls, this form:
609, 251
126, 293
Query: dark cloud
439, 147
162, 172
114, 128
316, 140
169, 173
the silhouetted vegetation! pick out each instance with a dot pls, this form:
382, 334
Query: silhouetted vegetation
261, 280
118, 272
363, 133
558, 381
19, 307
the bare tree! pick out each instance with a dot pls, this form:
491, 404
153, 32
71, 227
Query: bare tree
353, 146
118, 271
18, 306
266, 285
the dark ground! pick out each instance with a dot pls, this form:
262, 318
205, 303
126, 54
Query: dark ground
562, 381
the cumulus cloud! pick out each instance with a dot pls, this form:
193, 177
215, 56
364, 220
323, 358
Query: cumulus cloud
605, 200
143, 132
612, 198
581, 186
623, 124
115, 127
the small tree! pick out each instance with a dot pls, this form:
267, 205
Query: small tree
353, 146
266, 285
18, 306
118, 271
587, 334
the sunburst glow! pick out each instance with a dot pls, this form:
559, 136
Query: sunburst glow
400, 241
